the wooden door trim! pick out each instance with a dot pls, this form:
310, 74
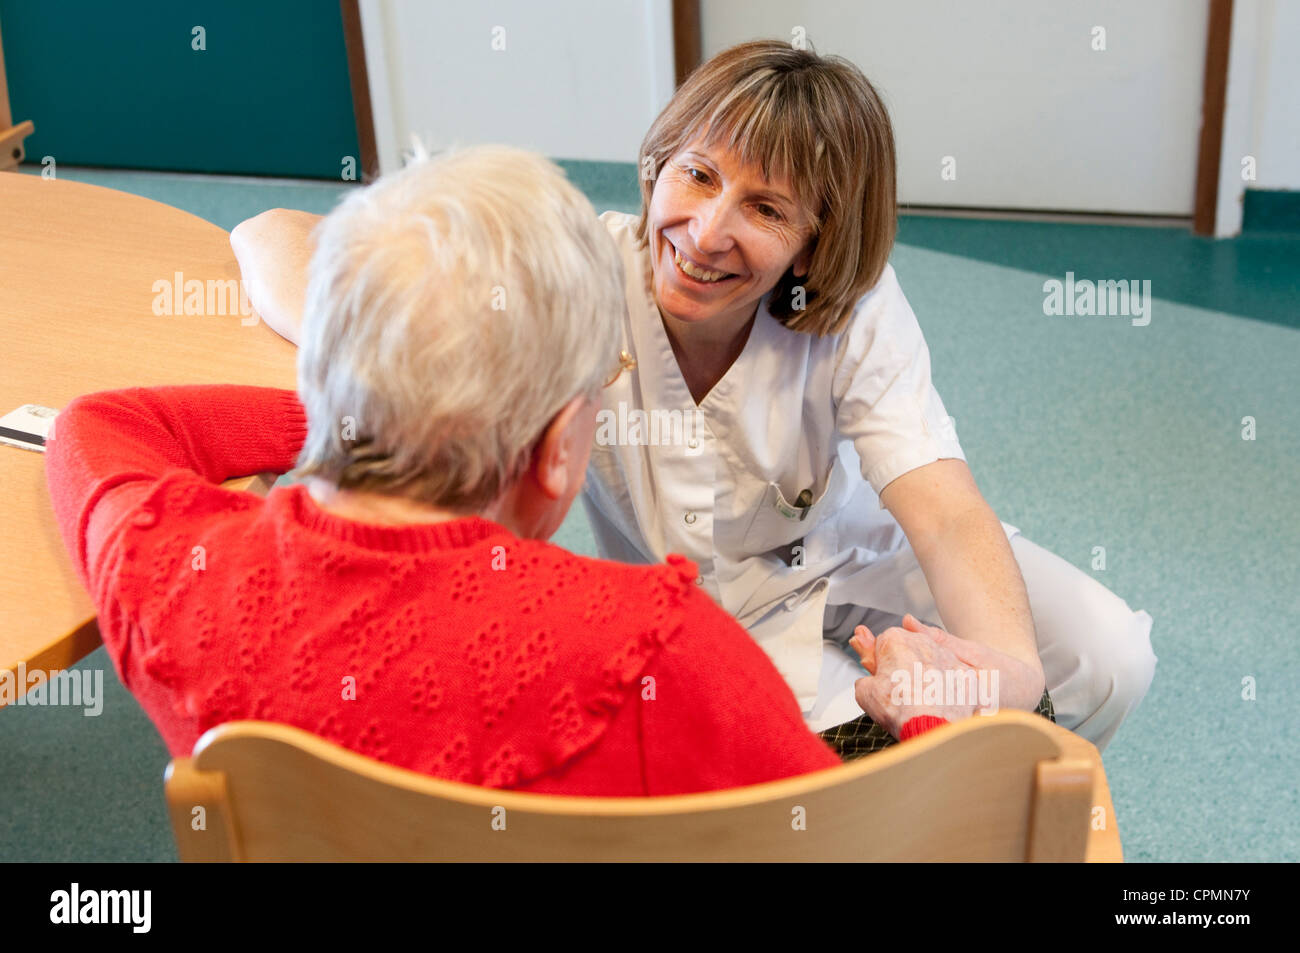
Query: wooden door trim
686, 38
361, 106
1217, 41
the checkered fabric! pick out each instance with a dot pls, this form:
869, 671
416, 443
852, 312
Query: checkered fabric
861, 736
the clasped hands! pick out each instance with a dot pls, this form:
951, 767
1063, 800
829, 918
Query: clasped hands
957, 677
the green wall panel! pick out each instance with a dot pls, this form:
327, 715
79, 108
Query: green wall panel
120, 85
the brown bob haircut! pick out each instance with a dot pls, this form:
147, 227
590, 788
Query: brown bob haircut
816, 122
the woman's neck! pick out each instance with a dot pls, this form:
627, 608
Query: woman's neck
705, 350
378, 509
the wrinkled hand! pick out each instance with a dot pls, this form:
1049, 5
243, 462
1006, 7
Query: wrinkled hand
1021, 684
890, 697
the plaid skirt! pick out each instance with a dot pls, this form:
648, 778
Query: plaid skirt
861, 736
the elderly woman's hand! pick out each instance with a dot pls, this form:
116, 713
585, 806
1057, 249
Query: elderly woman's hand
1020, 685
889, 697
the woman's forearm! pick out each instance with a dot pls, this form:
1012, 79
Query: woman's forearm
968, 563
274, 251
977, 585
110, 450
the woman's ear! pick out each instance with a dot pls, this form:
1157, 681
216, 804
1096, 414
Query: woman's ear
803, 261
552, 453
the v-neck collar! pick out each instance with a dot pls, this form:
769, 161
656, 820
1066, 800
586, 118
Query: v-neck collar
675, 381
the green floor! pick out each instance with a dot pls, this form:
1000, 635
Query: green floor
1082, 431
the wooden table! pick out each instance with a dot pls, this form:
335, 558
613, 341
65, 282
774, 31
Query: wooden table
78, 265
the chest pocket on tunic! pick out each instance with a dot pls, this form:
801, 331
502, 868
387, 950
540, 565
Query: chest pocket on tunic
778, 522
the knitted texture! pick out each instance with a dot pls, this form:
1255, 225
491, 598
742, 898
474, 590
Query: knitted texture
455, 649
919, 726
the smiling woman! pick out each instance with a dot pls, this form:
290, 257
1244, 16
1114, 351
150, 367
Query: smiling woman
789, 154
760, 296
725, 229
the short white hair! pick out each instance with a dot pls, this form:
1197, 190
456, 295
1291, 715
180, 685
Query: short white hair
453, 308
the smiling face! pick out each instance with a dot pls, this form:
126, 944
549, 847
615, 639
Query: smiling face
721, 236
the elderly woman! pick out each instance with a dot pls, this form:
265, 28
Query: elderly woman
402, 602
821, 490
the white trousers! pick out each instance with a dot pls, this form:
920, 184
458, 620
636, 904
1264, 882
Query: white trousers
1096, 651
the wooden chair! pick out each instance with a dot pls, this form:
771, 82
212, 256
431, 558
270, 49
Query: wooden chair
11, 136
1009, 787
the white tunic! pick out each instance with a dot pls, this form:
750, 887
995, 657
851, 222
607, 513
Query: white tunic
840, 416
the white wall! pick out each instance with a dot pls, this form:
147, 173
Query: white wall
577, 79
1012, 89
1262, 112
1276, 127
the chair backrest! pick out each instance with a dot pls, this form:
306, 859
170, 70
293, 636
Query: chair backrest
1008, 787
11, 136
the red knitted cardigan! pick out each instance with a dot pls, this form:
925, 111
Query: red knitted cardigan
455, 649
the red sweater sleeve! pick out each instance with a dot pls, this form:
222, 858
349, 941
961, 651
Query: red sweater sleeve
919, 726
110, 450
721, 716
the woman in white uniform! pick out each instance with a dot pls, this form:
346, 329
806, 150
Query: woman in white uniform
781, 428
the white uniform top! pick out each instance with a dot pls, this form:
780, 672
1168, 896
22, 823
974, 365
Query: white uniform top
841, 416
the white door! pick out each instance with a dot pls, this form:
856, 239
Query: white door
1016, 104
